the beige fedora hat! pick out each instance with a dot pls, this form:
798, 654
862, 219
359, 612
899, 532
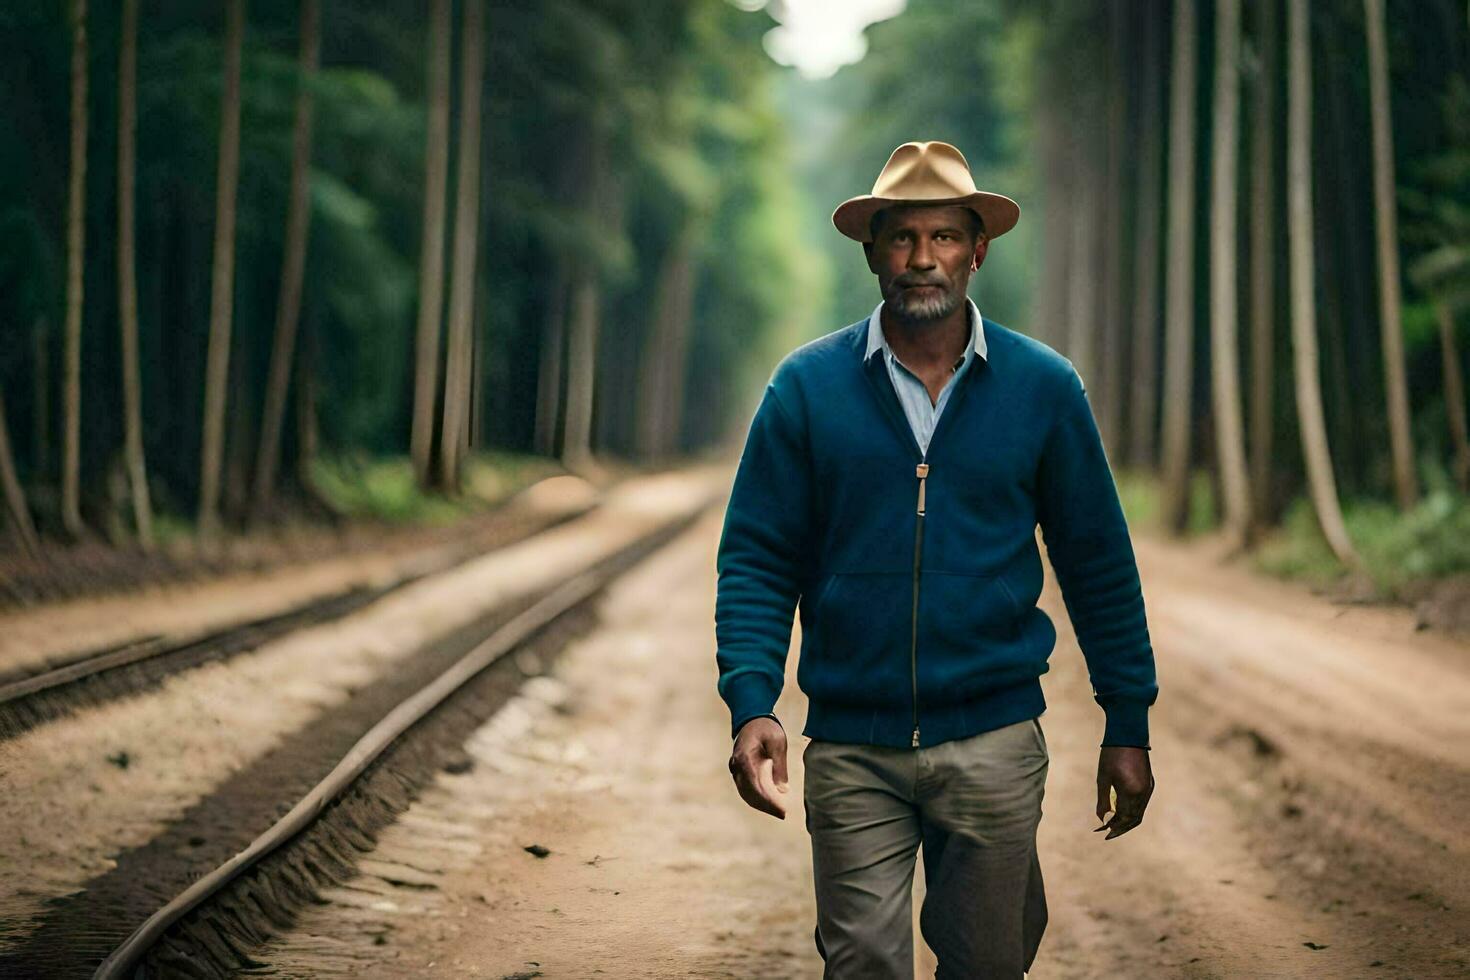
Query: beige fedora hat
928, 172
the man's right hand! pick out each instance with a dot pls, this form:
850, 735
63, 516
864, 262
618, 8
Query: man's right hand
758, 763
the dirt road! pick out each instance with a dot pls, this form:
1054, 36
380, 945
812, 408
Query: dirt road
80, 794
1313, 767
1309, 819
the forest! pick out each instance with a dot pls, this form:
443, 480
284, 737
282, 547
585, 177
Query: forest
246, 241
237, 239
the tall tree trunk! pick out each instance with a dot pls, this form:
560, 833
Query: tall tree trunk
1224, 307
466, 238
475, 422
1142, 440
581, 370
476, 438
658, 364
431, 260
1345, 252
308, 435
1406, 484
1179, 285
127, 274
1049, 302
221, 303
41, 396
1082, 263
1263, 266
474, 410
586, 317
293, 265
71, 458
1454, 395
676, 357
15, 499
548, 381
1114, 336
239, 444
1303, 286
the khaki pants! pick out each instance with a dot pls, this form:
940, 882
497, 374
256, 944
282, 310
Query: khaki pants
974, 804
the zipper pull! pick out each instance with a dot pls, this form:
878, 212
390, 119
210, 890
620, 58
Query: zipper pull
921, 471
915, 743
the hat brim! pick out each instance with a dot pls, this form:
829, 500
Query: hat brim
854, 216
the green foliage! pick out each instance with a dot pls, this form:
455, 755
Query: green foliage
1204, 511
702, 140
1421, 326
1431, 541
383, 488
1139, 493
1398, 548
759, 289
1437, 207
678, 94
171, 530
1297, 550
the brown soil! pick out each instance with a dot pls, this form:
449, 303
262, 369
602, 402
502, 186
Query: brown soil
77, 793
95, 567
53, 633
1308, 819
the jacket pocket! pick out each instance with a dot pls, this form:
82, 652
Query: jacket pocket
1011, 600
972, 637
857, 652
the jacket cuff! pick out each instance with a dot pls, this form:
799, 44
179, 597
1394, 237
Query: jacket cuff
749, 695
1127, 724
735, 733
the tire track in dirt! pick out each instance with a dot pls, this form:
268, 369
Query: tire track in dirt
77, 793
616, 764
1299, 799
1282, 816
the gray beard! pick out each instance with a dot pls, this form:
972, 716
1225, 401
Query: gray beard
922, 309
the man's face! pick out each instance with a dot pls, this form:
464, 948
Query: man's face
923, 257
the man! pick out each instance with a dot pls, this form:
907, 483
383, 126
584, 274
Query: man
892, 481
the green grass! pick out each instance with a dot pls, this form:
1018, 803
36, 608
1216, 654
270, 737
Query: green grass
1142, 501
1297, 550
1202, 508
383, 488
1399, 550
375, 490
1432, 541
1139, 493
169, 528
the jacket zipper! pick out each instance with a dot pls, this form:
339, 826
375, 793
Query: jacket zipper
889, 400
921, 470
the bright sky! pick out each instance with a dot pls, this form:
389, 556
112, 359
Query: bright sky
817, 37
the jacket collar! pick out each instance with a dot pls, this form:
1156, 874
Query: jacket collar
876, 340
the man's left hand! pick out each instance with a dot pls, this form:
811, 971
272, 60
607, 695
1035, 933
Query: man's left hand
1125, 770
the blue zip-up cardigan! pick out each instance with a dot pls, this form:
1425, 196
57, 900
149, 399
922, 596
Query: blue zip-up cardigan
918, 574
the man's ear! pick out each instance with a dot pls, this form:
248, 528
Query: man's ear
868, 253
980, 249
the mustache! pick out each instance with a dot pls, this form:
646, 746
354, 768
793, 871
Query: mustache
904, 281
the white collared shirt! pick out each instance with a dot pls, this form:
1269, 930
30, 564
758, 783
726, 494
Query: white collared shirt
923, 414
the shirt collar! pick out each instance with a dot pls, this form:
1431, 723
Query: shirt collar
877, 341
